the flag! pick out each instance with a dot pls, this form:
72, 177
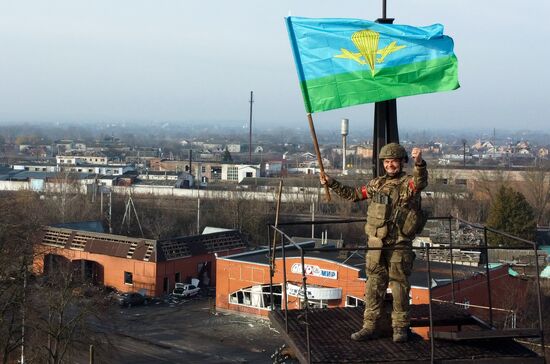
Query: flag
346, 62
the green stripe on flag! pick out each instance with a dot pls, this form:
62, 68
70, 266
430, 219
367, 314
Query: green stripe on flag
354, 88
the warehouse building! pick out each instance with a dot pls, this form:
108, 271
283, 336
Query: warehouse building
151, 267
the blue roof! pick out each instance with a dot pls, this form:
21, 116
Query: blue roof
545, 272
92, 226
512, 272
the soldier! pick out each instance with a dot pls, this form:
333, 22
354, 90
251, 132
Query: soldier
394, 217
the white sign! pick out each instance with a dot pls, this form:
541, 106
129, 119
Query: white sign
315, 271
313, 292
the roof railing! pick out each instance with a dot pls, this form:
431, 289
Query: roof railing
484, 247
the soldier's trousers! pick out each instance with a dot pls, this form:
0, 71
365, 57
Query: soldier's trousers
390, 267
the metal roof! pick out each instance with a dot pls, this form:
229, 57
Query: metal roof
440, 271
91, 226
98, 243
179, 247
330, 330
141, 249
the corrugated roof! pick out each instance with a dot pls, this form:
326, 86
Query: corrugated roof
98, 243
142, 249
175, 248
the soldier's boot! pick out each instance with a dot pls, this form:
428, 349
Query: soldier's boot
400, 334
366, 333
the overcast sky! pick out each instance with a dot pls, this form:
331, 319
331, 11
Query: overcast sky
179, 60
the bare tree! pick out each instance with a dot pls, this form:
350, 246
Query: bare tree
65, 314
537, 192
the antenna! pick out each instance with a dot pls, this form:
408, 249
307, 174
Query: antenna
128, 213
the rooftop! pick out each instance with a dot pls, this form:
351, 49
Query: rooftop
139, 248
440, 271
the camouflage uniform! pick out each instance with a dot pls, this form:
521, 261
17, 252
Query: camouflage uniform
394, 216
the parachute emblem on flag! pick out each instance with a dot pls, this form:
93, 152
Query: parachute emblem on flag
366, 41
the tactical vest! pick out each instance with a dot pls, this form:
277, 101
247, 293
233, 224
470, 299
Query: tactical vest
394, 212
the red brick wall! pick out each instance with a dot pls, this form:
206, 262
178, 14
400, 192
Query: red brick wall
234, 275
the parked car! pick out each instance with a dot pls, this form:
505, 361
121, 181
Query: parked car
130, 299
185, 290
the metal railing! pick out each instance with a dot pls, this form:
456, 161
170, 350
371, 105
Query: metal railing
485, 247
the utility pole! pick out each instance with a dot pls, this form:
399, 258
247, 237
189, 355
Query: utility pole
23, 313
110, 212
198, 199
464, 152
250, 129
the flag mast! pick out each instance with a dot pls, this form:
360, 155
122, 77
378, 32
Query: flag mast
385, 118
317, 152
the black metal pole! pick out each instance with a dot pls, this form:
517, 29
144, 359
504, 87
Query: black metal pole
283, 253
385, 118
452, 265
271, 270
488, 277
432, 345
541, 323
304, 285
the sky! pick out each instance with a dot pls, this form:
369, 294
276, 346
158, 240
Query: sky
193, 61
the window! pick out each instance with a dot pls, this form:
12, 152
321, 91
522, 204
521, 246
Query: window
461, 181
466, 304
441, 181
128, 278
203, 169
354, 302
257, 296
232, 174
177, 278
249, 174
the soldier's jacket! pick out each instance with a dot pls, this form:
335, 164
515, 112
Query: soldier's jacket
394, 212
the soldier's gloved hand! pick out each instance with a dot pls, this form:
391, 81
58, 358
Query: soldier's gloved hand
416, 155
325, 179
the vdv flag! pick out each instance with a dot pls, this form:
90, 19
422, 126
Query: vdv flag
345, 62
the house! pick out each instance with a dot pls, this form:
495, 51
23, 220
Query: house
129, 264
237, 172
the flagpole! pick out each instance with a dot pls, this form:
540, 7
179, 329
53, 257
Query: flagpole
318, 152
385, 118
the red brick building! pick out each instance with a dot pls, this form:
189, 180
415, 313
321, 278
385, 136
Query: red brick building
128, 264
336, 280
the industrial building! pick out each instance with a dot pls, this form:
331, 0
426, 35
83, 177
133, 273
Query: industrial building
151, 267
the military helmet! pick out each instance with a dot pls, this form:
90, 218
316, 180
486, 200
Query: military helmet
393, 151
